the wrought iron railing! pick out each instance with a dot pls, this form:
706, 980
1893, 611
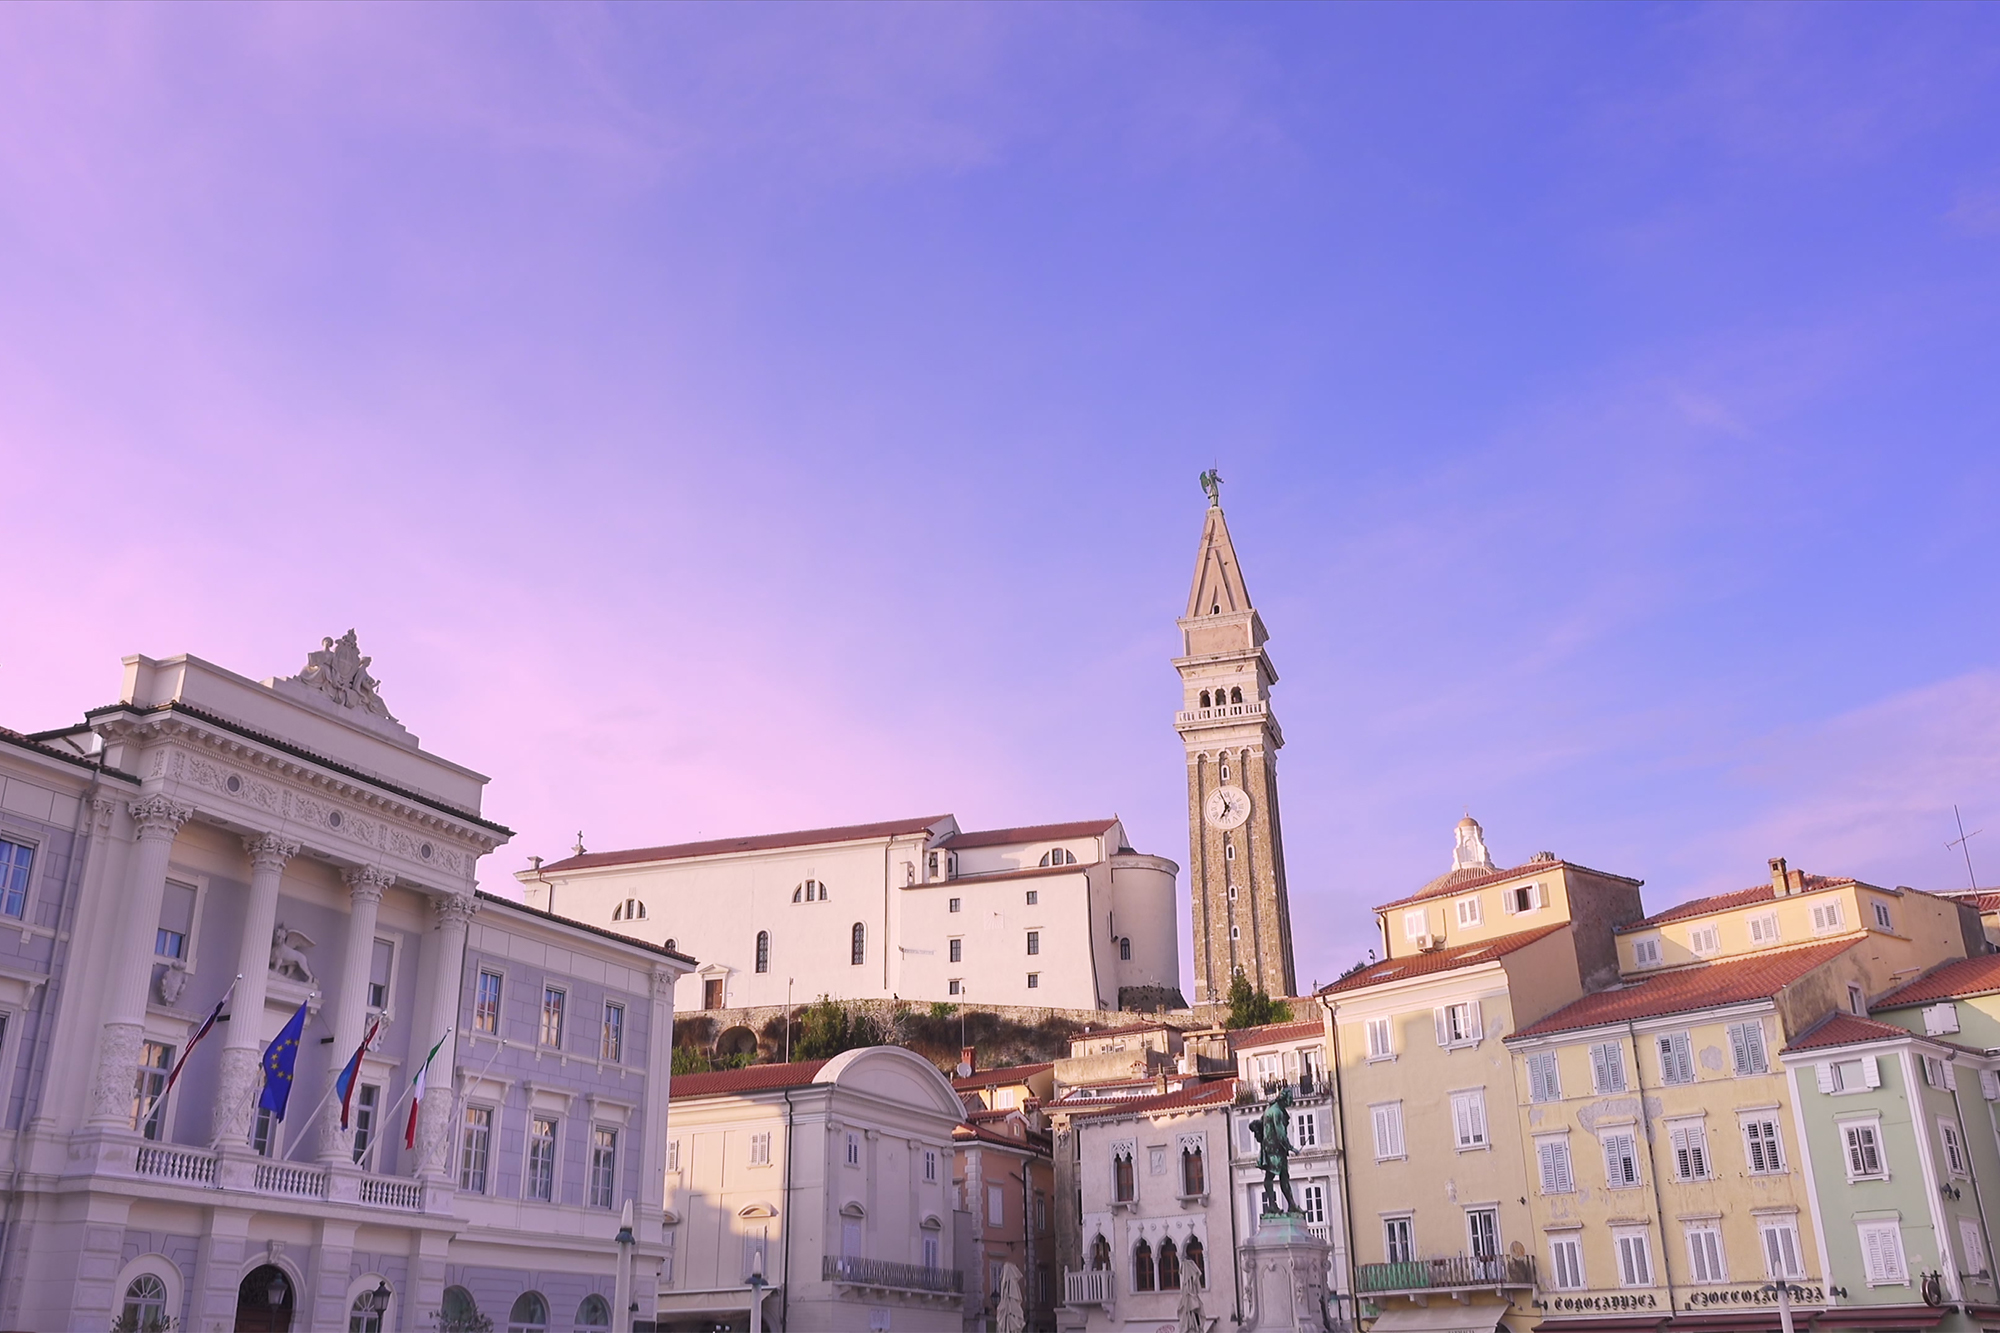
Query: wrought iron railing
1089, 1286
892, 1277
1463, 1270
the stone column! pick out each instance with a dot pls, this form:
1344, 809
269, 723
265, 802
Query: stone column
158, 819
364, 896
243, 1047
434, 1128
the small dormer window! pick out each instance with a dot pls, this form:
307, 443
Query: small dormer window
1646, 952
1468, 912
1058, 856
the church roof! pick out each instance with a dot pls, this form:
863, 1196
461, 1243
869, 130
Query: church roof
1218, 578
1439, 960
762, 842
1000, 837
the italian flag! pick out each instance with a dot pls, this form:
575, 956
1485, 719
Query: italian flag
417, 1091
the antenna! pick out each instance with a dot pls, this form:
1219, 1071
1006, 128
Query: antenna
1960, 843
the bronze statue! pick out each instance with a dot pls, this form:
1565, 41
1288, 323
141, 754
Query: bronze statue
1211, 486
1272, 1131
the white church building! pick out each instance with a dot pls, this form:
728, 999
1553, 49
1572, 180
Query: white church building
1058, 915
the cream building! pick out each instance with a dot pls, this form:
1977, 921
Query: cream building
1059, 915
1292, 1055
827, 1184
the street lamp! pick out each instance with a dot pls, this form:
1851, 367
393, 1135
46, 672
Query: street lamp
1784, 1291
378, 1299
275, 1293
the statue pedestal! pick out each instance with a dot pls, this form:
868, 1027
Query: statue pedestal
1283, 1270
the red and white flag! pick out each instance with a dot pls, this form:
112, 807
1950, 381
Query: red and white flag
417, 1096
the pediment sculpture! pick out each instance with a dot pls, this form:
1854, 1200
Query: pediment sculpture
339, 671
288, 954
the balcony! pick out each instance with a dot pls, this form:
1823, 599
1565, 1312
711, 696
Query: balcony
1223, 714
283, 1180
1416, 1277
885, 1276
1089, 1286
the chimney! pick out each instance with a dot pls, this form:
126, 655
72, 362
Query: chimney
1781, 881
969, 1057
1798, 878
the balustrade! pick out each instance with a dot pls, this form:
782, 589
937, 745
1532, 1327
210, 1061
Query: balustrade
890, 1276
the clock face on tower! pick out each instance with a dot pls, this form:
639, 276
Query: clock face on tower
1226, 807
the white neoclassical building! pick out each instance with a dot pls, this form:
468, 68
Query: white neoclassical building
1060, 915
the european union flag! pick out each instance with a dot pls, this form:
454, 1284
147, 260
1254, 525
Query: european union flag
279, 1057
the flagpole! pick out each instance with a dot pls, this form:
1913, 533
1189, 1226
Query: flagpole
332, 1086
175, 1074
410, 1086
458, 1098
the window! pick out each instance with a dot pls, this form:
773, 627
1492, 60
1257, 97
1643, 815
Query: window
1228, 851
1621, 1159
604, 1167
1972, 1247
145, 1303
1041, 1213
1388, 1119
367, 1106
1646, 952
1482, 1230
1849, 1075
1468, 1118
17, 859
763, 951
1954, 1147
1864, 1151
1704, 1243
1381, 1040
149, 1086
957, 950
1312, 1198
996, 1205
1882, 1254
1414, 925
1544, 1078
931, 1250
1305, 1129
264, 1133
711, 992
1524, 899
1566, 1263
486, 1003
1193, 1260
1058, 856
1234, 932
1635, 1260
1399, 1243
478, 1140
1938, 1074
1857, 1000
1124, 1180
1125, 949
1170, 1265
1194, 1178
1704, 940
1882, 917
1940, 1019
176, 922
931, 1166
554, 999
594, 1312
952, 906
956, 986
857, 945
1690, 1149
1142, 1267
760, 1148
1034, 897
1781, 1248
853, 1148
1746, 1047
612, 1047
541, 1180
1826, 916
381, 964
812, 891
1676, 1057
1458, 1024
1761, 1147
1034, 981
1468, 911
530, 1314
1034, 941
1764, 929
1607, 1067
1553, 1156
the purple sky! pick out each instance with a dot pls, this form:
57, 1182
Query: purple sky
730, 419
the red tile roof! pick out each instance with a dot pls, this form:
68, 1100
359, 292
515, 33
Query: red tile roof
752, 1078
762, 842
987, 1078
1221, 1092
1840, 1028
1000, 837
1955, 980
1033, 1141
1439, 960
1722, 902
1274, 1032
1729, 981
1448, 885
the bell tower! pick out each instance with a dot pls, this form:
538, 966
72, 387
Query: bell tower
1236, 866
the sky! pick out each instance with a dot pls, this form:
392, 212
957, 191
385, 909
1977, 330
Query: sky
740, 418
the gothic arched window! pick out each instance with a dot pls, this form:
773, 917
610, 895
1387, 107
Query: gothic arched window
1204, 699
1142, 1267
1236, 695
857, 951
1170, 1266
1192, 1258
1100, 1252
1125, 949
763, 951
1194, 1180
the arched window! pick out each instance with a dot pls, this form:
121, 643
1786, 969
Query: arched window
642, 911
362, 1316
529, 1315
1204, 699
1170, 1266
1123, 1181
459, 1309
1191, 1260
1058, 856
1194, 1179
146, 1302
812, 891
857, 949
1100, 1252
1235, 695
1225, 766
618, 912
670, 946
763, 951
595, 1312
1142, 1267
1125, 949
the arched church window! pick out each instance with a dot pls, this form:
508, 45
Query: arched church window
1193, 1261
763, 951
1236, 694
1142, 1267
1100, 1253
1059, 856
1204, 699
1170, 1266
1125, 949
857, 950
642, 911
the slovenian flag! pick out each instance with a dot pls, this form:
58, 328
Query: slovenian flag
344, 1085
417, 1097
280, 1057
214, 1017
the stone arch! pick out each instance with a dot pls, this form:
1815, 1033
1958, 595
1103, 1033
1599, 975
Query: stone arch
158, 1266
738, 1040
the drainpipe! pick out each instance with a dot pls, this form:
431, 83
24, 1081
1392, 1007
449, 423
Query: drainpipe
785, 1222
1659, 1205
1965, 1146
1340, 1120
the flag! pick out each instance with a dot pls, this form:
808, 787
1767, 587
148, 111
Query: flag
214, 1016
279, 1058
417, 1097
344, 1085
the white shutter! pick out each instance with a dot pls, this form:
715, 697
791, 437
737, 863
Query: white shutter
1547, 1153
1871, 1073
1823, 1075
1598, 1080
1989, 1085
1507, 902
1474, 1028
1872, 1255
1738, 1051
1541, 895
1950, 1077
1444, 1032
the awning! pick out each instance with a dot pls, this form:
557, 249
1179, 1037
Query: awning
1881, 1318
1443, 1317
1624, 1323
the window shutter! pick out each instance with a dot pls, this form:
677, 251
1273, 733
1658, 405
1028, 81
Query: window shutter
1950, 1077
1871, 1073
1547, 1152
1989, 1085
1507, 902
1872, 1255
1597, 1077
1541, 895
1823, 1075
1738, 1050
1444, 1033
1475, 1029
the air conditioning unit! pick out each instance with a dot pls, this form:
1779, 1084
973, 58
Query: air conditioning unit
1426, 943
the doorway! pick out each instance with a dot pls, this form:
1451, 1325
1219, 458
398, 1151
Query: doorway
264, 1301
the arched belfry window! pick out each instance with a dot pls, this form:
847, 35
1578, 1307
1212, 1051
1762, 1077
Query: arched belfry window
1204, 699
857, 952
1059, 856
1235, 695
763, 951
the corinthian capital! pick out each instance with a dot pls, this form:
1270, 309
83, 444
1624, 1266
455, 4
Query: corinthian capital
268, 851
455, 910
367, 882
159, 815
